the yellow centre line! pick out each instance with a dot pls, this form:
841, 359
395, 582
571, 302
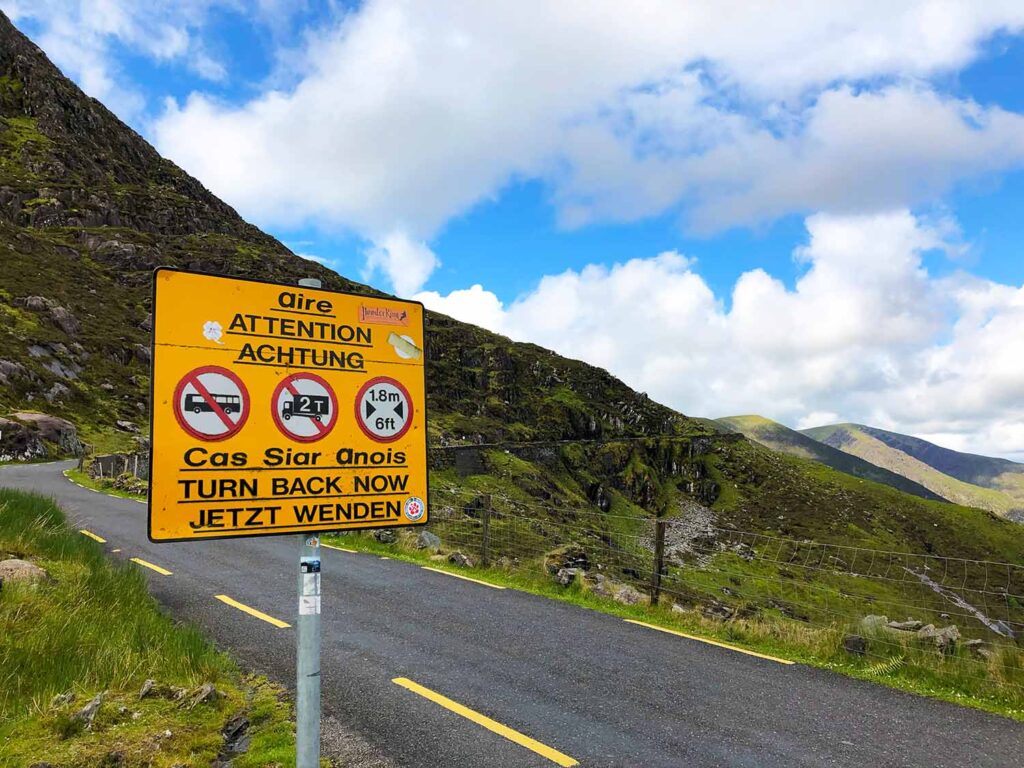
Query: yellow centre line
340, 549
492, 725
459, 576
252, 611
93, 536
151, 566
711, 642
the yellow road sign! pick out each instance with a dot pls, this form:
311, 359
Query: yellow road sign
281, 409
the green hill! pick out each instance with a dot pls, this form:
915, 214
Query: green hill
781, 438
978, 481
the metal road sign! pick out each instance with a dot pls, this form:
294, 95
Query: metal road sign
278, 409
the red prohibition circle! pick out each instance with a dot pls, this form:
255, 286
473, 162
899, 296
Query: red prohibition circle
323, 428
190, 378
359, 418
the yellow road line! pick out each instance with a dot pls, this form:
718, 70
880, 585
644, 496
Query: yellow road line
253, 612
93, 536
711, 642
340, 549
492, 725
147, 564
115, 550
459, 576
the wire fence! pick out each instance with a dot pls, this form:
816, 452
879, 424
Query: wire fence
729, 574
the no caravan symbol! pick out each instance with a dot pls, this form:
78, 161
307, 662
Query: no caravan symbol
304, 407
211, 403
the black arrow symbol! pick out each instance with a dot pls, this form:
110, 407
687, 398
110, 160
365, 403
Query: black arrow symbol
400, 410
369, 409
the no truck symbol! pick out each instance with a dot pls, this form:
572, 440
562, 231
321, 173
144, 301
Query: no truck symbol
211, 403
304, 407
384, 409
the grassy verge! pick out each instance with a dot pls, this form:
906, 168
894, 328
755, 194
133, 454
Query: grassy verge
103, 485
996, 686
92, 627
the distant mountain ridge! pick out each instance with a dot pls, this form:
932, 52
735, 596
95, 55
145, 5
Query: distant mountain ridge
781, 438
963, 478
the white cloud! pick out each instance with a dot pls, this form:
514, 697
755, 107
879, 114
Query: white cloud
866, 334
208, 67
404, 115
407, 263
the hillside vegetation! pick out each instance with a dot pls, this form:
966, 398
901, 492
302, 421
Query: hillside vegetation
995, 484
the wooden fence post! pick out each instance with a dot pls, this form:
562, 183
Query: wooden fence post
659, 560
485, 542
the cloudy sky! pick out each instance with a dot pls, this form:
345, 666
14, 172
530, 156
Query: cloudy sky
806, 210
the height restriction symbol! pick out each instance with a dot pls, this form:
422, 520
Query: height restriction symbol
384, 409
304, 407
211, 403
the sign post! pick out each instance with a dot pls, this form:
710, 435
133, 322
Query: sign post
307, 629
284, 410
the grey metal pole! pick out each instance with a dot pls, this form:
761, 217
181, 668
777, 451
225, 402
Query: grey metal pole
307, 657
307, 644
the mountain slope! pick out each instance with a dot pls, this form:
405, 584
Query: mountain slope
88, 209
781, 438
988, 472
922, 462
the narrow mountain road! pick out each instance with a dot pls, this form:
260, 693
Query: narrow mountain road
573, 685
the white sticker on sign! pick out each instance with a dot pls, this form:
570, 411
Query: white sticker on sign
309, 605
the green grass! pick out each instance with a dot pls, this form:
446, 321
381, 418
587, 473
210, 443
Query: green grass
996, 686
94, 627
103, 485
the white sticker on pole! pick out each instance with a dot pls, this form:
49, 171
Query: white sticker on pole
311, 584
384, 409
309, 605
211, 403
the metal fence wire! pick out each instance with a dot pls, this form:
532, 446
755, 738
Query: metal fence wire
726, 574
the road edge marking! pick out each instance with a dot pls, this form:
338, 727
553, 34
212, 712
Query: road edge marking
460, 576
252, 611
151, 566
716, 643
485, 722
340, 549
92, 536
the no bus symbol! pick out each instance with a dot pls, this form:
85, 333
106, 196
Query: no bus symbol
211, 403
384, 409
304, 407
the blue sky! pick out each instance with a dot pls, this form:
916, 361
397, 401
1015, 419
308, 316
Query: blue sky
815, 219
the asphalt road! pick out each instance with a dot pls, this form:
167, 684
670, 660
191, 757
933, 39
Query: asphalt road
593, 687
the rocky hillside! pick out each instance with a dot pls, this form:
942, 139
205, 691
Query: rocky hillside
964, 478
781, 438
88, 209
